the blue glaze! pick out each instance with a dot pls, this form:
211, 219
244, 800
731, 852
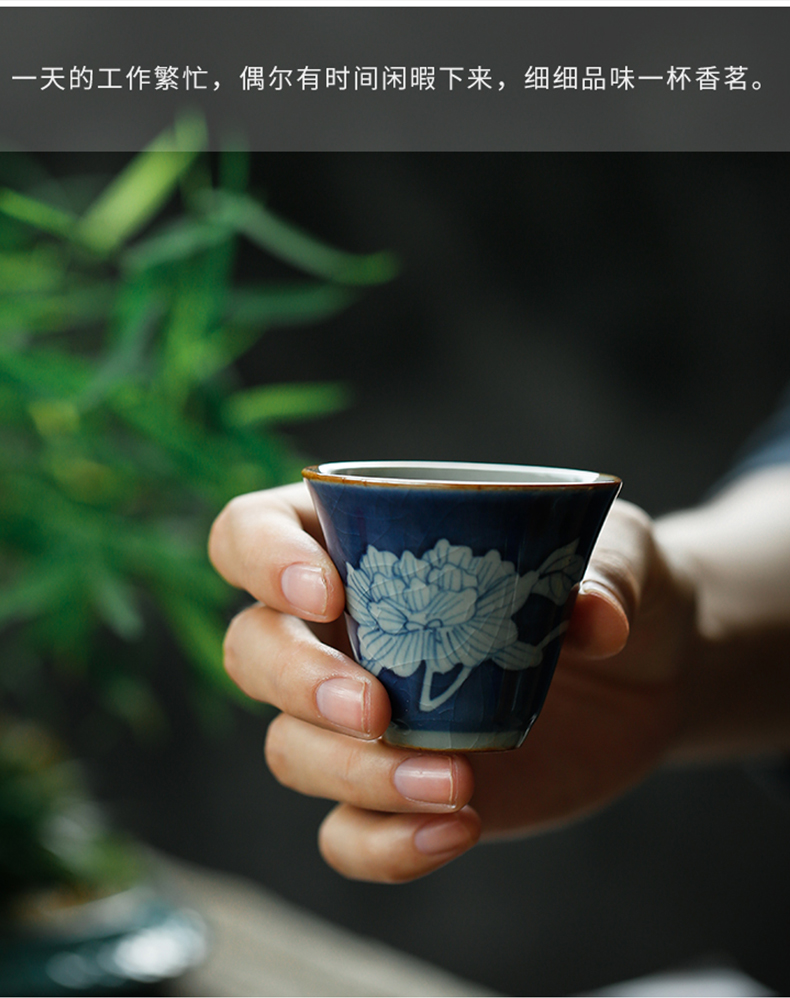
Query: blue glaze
518, 551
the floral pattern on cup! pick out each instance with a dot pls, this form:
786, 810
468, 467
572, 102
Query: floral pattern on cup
450, 608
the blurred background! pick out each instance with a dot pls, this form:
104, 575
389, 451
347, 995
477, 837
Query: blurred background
622, 313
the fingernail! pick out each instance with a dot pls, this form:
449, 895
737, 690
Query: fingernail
442, 835
342, 701
427, 779
304, 586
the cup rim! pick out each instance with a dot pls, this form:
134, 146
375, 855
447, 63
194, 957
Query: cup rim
536, 476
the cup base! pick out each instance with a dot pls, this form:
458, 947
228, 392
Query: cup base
454, 741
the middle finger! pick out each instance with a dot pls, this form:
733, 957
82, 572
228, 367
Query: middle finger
277, 658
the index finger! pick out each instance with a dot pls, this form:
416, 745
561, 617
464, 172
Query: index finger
268, 543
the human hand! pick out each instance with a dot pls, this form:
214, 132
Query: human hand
609, 718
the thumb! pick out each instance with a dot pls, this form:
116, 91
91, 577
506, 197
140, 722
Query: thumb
612, 589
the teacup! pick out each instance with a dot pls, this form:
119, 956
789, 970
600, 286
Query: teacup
460, 580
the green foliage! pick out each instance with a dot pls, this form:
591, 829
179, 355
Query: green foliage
123, 425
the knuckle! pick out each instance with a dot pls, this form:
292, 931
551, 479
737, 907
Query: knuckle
367, 858
231, 647
615, 565
216, 537
284, 682
392, 872
275, 754
228, 516
326, 847
225, 551
363, 775
236, 507
371, 846
348, 773
259, 650
616, 569
633, 514
391, 865
228, 533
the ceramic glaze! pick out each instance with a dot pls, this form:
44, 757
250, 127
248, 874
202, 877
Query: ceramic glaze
459, 583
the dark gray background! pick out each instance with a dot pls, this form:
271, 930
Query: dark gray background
507, 40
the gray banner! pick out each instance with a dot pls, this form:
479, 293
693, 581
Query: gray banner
398, 78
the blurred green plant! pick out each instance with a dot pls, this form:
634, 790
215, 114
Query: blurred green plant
123, 424
55, 849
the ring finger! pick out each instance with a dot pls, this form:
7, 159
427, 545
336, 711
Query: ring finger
370, 775
276, 658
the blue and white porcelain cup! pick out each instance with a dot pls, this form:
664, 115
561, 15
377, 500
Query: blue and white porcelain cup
460, 580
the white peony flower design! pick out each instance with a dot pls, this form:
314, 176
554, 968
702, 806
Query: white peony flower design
449, 608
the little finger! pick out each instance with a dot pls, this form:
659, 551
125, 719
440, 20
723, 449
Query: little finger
394, 848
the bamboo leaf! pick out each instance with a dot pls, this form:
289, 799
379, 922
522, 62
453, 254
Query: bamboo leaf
201, 457
125, 357
37, 214
180, 241
287, 305
285, 403
234, 169
188, 350
55, 312
294, 246
51, 373
134, 197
